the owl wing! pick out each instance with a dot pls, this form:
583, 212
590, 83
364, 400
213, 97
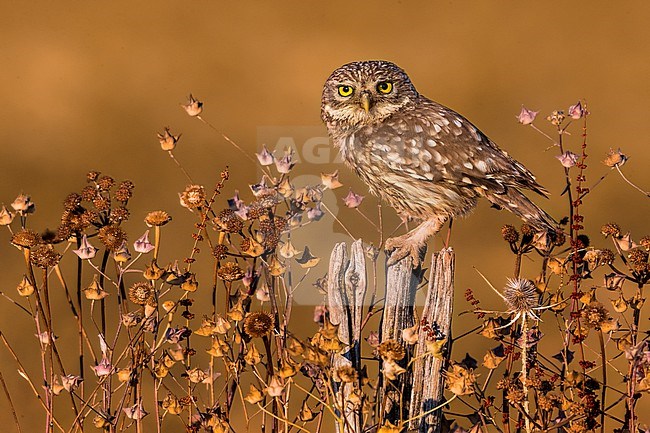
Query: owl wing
432, 142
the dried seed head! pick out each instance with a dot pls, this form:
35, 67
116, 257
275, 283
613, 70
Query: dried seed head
92, 176
614, 158
193, 197
88, 193
26, 238
157, 218
527, 230
219, 251
258, 324
521, 295
230, 271
556, 117
72, 201
123, 193
229, 221
391, 350
638, 259
44, 257
606, 257
118, 215
645, 242
595, 315
611, 229
140, 293
510, 234
105, 183
112, 237
346, 374
101, 203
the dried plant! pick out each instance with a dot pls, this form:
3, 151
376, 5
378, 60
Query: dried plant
152, 358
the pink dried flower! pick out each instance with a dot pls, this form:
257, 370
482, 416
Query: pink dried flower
142, 244
568, 159
286, 163
352, 200
104, 368
576, 111
265, 157
193, 107
526, 116
85, 250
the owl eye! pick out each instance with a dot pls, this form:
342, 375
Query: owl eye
385, 87
346, 90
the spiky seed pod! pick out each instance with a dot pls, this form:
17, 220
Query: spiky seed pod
527, 230
510, 234
140, 293
258, 324
26, 238
521, 295
112, 237
44, 257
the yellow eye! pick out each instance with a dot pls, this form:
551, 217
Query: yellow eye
346, 90
385, 87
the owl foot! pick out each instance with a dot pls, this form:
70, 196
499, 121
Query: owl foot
412, 243
402, 247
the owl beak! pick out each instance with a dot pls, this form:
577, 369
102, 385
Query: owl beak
366, 101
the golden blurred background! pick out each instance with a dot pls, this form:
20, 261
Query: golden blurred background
87, 85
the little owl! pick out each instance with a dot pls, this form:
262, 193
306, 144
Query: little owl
427, 161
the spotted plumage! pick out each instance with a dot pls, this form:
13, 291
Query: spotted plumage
427, 161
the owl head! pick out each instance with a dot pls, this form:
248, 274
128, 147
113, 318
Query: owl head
365, 93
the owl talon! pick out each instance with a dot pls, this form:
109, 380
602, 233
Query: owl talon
402, 247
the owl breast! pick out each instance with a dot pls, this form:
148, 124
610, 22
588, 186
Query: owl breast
390, 176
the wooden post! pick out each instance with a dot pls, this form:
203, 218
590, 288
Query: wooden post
402, 282
346, 290
428, 380
421, 387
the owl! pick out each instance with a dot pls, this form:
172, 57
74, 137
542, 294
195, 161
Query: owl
425, 160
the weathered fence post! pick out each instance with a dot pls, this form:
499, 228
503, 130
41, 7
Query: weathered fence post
402, 282
428, 380
346, 290
414, 393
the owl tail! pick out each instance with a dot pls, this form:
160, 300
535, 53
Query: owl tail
520, 205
